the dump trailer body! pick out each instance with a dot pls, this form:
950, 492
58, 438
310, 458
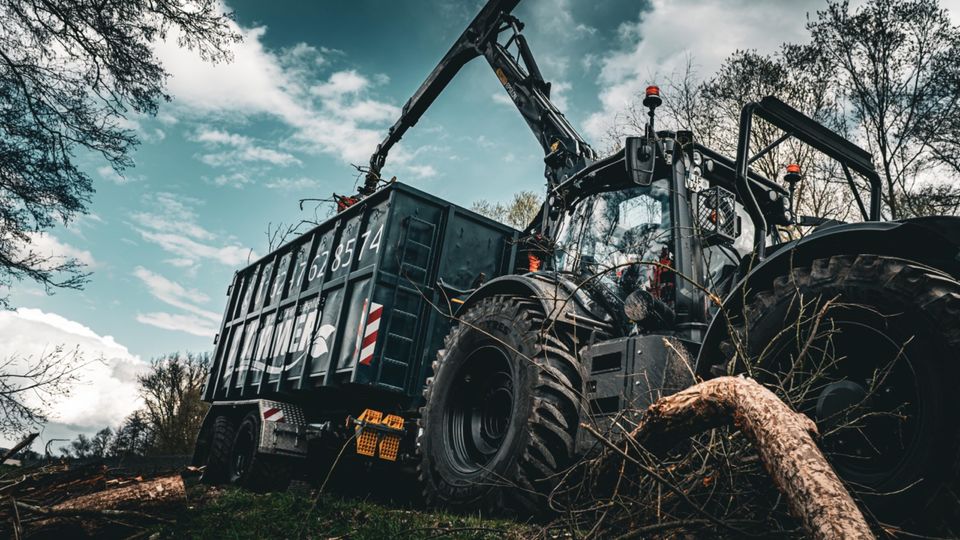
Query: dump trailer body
358, 304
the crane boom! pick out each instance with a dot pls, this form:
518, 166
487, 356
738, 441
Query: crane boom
565, 150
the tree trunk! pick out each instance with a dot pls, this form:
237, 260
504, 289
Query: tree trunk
158, 493
784, 439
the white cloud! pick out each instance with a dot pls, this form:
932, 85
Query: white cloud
558, 94
421, 171
302, 182
172, 224
172, 213
175, 294
235, 179
660, 40
48, 246
108, 173
218, 136
185, 248
331, 117
501, 98
191, 324
107, 390
341, 83
244, 150
250, 154
179, 263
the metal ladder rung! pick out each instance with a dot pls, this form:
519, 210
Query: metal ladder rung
395, 362
398, 336
420, 244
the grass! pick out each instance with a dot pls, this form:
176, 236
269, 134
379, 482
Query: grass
238, 514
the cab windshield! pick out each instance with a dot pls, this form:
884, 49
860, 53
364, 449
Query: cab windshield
608, 233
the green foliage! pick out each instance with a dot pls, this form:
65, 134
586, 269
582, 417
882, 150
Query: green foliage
240, 514
518, 213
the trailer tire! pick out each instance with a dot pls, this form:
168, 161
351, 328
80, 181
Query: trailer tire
217, 466
900, 455
502, 409
251, 469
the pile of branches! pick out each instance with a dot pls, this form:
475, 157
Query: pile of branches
710, 475
92, 500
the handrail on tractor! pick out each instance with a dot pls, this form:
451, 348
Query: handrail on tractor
807, 130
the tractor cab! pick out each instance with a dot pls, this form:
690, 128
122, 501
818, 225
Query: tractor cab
668, 227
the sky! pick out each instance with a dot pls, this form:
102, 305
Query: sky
310, 91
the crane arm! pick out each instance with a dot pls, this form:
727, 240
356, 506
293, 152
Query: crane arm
566, 152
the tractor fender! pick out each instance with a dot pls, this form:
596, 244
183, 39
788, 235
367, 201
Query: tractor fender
559, 296
933, 241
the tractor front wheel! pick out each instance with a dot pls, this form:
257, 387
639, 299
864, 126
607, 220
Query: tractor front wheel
502, 409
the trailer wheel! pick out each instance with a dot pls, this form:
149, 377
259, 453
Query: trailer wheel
502, 410
882, 337
249, 468
222, 434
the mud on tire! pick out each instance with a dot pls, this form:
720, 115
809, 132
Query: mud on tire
880, 339
502, 410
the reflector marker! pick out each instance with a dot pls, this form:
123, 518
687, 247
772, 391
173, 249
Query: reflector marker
273, 414
369, 343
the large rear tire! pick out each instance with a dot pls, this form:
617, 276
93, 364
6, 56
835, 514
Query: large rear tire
249, 468
868, 347
502, 410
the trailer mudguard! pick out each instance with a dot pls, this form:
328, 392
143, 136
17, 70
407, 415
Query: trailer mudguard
933, 241
283, 427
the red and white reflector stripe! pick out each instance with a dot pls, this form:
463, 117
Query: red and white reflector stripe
369, 342
273, 414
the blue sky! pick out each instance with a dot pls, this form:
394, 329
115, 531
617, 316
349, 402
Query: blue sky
311, 90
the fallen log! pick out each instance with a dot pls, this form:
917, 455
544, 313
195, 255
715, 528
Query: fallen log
88, 513
159, 492
783, 438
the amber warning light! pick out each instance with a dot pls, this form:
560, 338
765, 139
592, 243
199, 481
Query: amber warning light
793, 173
652, 98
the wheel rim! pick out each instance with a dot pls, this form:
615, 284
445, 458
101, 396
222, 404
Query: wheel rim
243, 448
480, 409
868, 402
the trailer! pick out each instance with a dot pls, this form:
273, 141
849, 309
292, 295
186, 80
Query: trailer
341, 320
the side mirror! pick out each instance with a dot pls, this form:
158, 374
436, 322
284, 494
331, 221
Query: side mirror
639, 155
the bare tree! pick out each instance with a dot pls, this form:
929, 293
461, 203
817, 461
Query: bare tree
132, 437
898, 63
81, 447
29, 386
101, 442
711, 109
71, 71
518, 213
173, 409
